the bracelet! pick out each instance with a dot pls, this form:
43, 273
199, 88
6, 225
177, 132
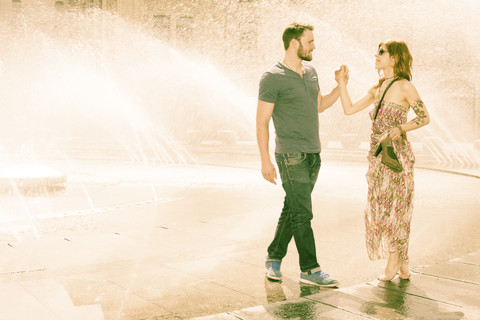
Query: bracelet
402, 132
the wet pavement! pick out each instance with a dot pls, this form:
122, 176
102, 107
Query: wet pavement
189, 242
446, 290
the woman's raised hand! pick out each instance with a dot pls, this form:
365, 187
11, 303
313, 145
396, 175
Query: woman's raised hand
341, 75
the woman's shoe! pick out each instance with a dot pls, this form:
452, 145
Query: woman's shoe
388, 155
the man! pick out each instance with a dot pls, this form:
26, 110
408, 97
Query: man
289, 92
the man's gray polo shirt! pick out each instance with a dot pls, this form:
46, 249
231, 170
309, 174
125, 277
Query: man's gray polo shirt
295, 115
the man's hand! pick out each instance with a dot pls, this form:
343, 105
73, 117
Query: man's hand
268, 172
341, 75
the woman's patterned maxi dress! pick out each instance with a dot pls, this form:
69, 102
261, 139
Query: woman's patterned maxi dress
390, 194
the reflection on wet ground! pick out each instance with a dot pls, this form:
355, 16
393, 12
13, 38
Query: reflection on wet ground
423, 297
184, 242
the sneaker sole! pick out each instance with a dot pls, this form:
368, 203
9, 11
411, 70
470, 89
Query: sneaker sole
273, 277
320, 285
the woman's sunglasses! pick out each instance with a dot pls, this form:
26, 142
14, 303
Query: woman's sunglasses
381, 51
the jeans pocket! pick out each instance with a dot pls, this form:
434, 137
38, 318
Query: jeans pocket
296, 167
292, 159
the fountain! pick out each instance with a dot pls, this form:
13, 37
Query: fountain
85, 92
83, 85
104, 111
91, 86
65, 70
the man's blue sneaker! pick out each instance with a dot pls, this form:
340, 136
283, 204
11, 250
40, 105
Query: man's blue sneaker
273, 269
318, 278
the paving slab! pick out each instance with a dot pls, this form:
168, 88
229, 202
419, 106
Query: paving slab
189, 247
299, 309
452, 270
203, 297
19, 303
471, 258
453, 292
58, 252
127, 305
52, 294
220, 270
115, 245
380, 303
364, 301
15, 261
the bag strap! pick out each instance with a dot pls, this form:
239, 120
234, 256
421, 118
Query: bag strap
380, 103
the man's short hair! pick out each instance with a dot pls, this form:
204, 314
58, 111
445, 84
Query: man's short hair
294, 31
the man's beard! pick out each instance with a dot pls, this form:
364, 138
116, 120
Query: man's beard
302, 55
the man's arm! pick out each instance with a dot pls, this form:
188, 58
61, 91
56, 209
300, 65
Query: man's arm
264, 114
326, 101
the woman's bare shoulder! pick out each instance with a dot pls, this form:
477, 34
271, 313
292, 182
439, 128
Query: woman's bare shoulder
406, 85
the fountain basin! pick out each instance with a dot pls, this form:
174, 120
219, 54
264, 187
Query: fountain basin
29, 177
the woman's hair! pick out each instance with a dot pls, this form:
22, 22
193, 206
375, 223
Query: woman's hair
403, 59
294, 31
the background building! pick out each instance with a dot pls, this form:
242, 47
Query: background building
242, 38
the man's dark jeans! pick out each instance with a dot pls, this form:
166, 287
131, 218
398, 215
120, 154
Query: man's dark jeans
299, 173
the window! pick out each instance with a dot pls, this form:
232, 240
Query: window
161, 26
184, 28
111, 4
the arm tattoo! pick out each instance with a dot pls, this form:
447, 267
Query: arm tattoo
419, 109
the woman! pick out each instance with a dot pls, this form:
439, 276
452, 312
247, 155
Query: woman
390, 193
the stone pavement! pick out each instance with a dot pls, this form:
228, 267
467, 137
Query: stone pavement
180, 243
446, 290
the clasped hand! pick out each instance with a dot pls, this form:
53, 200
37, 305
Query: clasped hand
341, 75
